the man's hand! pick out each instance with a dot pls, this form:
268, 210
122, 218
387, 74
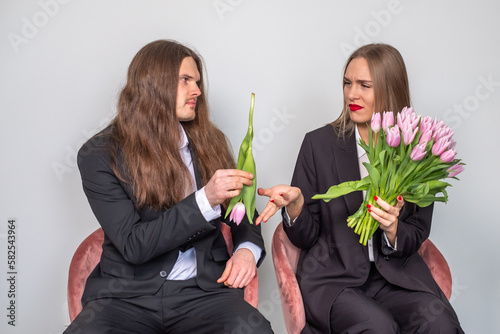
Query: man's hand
240, 269
226, 183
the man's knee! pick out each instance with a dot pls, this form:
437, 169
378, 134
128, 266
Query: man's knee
253, 323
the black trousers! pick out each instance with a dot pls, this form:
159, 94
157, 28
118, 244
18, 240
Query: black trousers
178, 307
380, 307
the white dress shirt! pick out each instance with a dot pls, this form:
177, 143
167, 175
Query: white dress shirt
185, 266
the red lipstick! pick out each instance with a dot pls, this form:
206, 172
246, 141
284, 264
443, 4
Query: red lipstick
355, 107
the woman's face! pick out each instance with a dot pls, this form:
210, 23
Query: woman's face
358, 91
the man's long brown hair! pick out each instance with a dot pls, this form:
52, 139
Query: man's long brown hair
146, 132
390, 82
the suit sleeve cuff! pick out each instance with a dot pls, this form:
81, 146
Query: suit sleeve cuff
256, 250
286, 218
387, 249
208, 212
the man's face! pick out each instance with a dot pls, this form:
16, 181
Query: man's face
187, 90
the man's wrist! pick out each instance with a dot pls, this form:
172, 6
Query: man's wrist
208, 211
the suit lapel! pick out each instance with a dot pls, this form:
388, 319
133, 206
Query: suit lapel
347, 168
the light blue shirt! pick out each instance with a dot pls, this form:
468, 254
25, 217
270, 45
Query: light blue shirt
185, 266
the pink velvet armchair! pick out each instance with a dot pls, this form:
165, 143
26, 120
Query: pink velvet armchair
88, 255
286, 256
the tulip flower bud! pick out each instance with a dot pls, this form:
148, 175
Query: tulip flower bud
376, 122
455, 170
448, 156
426, 136
418, 152
408, 133
440, 146
426, 124
237, 213
393, 136
387, 120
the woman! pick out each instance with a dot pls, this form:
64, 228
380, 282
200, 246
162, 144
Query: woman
384, 287
156, 180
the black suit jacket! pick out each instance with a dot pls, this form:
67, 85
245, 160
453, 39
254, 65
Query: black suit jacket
141, 246
332, 257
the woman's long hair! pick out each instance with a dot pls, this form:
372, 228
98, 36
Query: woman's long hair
145, 132
390, 82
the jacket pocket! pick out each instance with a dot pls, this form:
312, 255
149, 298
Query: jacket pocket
220, 254
116, 269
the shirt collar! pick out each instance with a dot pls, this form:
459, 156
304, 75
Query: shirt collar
184, 140
359, 149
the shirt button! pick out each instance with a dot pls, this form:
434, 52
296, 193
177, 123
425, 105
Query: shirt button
163, 273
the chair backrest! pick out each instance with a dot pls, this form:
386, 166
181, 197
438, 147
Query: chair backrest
88, 255
437, 265
85, 259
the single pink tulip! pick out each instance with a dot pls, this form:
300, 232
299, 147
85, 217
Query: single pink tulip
448, 156
426, 137
376, 122
426, 124
401, 117
440, 146
237, 213
408, 133
437, 124
418, 152
393, 136
444, 132
409, 117
387, 120
455, 170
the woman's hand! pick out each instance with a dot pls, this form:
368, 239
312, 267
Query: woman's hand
387, 216
280, 196
226, 183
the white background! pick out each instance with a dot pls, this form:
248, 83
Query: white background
63, 62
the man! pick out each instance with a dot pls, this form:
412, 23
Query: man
158, 179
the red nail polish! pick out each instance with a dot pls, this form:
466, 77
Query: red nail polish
271, 200
368, 206
369, 210
400, 198
375, 198
281, 194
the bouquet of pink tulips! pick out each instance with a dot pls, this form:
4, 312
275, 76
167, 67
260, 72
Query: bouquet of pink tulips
409, 155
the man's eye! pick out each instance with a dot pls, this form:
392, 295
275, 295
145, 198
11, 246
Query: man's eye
346, 83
